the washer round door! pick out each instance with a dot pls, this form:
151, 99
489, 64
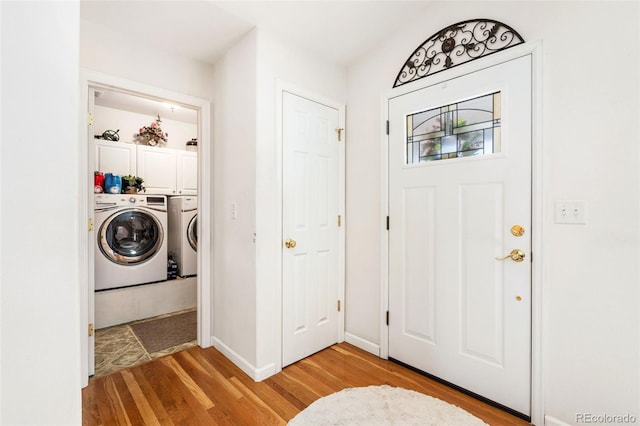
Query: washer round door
192, 232
130, 236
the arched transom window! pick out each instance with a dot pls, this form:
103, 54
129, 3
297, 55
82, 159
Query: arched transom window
455, 45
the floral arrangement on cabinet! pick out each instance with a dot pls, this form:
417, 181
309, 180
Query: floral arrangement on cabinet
153, 134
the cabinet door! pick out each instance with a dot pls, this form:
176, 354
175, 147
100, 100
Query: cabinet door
157, 166
187, 176
115, 157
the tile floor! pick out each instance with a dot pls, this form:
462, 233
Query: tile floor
118, 347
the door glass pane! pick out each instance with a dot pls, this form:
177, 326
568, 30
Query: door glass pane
466, 128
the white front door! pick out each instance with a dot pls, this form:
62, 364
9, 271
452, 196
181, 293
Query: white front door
459, 198
310, 258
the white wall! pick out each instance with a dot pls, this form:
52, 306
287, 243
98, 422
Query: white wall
234, 176
129, 124
590, 135
109, 52
278, 62
246, 285
40, 318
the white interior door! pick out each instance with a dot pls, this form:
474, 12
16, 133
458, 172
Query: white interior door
459, 193
310, 206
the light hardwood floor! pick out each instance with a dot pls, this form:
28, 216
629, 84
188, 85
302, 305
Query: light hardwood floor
201, 387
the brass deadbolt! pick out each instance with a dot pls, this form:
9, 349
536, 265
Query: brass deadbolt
517, 231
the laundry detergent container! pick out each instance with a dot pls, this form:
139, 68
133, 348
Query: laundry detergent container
112, 184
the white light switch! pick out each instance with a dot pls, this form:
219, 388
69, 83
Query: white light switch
572, 212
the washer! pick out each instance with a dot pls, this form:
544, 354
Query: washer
131, 246
183, 233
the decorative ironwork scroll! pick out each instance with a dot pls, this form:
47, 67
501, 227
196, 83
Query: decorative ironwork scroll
455, 45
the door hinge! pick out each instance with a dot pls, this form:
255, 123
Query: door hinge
90, 119
340, 130
387, 317
339, 221
339, 306
90, 330
90, 224
387, 223
387, 126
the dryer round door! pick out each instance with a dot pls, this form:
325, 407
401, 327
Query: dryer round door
130, 236
192, 232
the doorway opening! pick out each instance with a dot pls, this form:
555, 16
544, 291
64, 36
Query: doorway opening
134, 130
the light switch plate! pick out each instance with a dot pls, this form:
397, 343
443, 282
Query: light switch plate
571, 212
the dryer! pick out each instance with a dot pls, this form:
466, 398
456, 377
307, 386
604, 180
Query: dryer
183, 233
131, 245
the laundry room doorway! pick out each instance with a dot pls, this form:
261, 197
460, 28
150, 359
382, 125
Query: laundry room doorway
165, 141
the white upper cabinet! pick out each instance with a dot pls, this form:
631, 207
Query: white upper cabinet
168, 171
115, 157
187, 173
157, 166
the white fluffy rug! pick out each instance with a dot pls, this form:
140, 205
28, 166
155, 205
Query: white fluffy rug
383, 405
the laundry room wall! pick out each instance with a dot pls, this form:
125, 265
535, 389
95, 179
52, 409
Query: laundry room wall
590, 291
119, 306
129, 123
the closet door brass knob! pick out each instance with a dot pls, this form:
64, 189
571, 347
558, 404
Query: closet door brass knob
516, 255
290, 243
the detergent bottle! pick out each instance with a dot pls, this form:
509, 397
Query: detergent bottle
112, 183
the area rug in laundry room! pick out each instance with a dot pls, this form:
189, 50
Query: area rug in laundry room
161, 333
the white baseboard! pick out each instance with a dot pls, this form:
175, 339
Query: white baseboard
264, 372
363, 344
552, 421
257, 374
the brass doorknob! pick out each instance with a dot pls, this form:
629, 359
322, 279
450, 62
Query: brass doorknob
516, 255
290, 243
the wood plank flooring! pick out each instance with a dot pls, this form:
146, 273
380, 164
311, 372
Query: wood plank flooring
201, 387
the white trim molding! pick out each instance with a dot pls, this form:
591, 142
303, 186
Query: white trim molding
363, 344
257, 374
552, 421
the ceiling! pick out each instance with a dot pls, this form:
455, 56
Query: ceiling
339, 31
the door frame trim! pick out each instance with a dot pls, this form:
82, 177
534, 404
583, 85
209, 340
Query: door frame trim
281, 87
539, 185
90, 78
